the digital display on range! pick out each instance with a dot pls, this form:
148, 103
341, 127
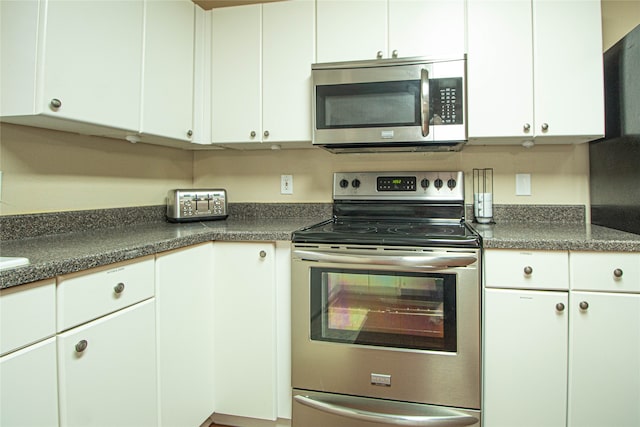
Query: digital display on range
396, 183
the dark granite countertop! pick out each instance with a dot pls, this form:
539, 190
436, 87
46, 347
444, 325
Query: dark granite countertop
556, 236
66, 252
53, 255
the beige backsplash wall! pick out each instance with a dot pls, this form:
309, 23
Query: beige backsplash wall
558, 173
47, 171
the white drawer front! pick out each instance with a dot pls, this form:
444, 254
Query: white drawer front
87, 295
520, 269
27, 314
605, 271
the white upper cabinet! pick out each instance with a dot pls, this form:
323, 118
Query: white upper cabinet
77, 66
167, 83
287, 54
350, 30
261, 71
534, 71
369, 29
433, 28
236, 74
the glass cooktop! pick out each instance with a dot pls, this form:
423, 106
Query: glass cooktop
390, 232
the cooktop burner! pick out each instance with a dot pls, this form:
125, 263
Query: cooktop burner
396, 209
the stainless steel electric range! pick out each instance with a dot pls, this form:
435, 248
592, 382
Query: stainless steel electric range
386, 306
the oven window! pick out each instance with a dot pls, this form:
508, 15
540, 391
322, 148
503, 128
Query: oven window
390, 309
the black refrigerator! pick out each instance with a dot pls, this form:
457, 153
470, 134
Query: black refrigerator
614, 161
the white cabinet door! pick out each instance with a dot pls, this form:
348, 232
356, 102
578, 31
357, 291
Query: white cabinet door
28, 386
288, 50
261, 67
33, 307
236, 74
184, 306
245, 365
93, 61
350, 30
434, 28
500, 70
604, 363
525, 358
567, 67
551, 59
167, 82
107, 370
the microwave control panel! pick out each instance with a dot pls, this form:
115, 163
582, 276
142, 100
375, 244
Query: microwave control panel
446, 101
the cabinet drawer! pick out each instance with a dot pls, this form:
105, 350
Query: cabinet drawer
605, 271
27, 314
89, 294
526, 269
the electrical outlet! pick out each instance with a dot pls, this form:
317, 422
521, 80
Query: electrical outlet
286, 184
523, 184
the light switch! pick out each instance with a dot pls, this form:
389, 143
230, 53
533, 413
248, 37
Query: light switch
523, 184
286, 184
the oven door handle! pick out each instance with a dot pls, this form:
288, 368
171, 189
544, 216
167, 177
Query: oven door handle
415, 261
444, 418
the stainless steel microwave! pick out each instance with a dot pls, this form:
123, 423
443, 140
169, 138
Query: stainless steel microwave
410, 104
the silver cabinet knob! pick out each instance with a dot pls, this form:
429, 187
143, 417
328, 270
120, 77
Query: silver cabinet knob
528, 270
263, 254
253, 134
560, 306
266, 134
526, 127
583, 305
545, 127
81, 346
189, 133
119, 288
394, 54
379, 54
617, 272
55, 103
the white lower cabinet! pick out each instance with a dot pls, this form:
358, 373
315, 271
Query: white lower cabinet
252, 331
28, 376
525, 358
28, 386
245, 325
604, 362
107, 370
558, 358
184, 305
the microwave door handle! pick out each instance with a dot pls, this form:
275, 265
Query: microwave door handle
424, 101
444, 418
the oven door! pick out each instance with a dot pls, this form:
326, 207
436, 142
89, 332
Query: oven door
392, 323
397, 103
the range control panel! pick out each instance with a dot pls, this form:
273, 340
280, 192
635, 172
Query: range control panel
196, 205
433, 186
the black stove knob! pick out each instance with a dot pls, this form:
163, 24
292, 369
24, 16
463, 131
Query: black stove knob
355, 183
344, 183
451, 184
438, 183
424, 183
